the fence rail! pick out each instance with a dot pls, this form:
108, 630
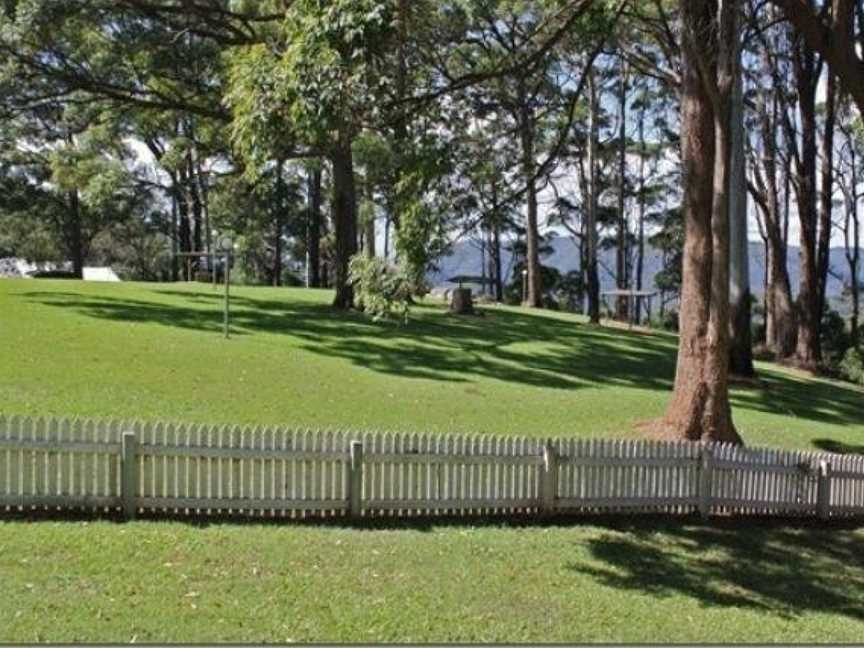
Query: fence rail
199, 470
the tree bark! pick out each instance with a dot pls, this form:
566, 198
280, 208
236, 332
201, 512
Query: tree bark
640, 250
700, 409
808, 353
495, 249
826, 191
534, 297
592, 278
279, 223
344, 221
369, 225
622, 279
781, 319
741, 347
75, 235
834, 40
313, 229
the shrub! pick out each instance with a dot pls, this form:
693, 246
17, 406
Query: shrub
852, 365
670, 321
382, 290
835, 339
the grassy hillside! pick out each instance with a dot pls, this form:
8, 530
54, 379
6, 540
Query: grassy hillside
155, 351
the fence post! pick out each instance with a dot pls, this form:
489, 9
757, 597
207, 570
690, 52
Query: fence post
128, 474
549, 479
355, 480
823, 491
706, 467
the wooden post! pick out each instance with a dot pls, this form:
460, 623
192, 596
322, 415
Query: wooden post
355, 480
823, 491
705, 477
129, 474
549, 479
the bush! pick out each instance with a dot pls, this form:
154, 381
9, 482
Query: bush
382, 290
670, 321
835, 339
852, 365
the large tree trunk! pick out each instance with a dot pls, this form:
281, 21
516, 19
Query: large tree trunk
592, 278
313, 229
808, 353
700, 409
344, 221
741, 347
534, 297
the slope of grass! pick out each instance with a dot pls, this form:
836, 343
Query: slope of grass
155, 351
644, 582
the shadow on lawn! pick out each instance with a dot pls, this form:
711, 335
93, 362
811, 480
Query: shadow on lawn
779, 569
537, 349
786, 567
524, 349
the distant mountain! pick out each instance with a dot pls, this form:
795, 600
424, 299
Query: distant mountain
466, 259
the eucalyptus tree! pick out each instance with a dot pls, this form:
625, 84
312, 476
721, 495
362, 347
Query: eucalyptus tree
700, 407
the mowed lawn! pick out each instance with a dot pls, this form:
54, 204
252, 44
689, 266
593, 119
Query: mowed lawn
650, 581
155, 351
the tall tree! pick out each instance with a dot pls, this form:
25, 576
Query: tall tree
700, 407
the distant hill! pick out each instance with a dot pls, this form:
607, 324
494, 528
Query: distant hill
465, 258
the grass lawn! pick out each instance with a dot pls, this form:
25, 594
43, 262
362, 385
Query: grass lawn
596, 581
154, 351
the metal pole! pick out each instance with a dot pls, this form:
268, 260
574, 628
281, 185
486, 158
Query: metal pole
227, 283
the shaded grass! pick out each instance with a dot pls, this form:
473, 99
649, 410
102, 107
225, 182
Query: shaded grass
155, 351
628, 581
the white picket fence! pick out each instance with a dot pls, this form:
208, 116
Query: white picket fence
199, 470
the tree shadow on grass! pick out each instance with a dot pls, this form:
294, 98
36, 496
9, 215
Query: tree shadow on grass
838, 447
525, 349
782, 570
812, 399
537, 349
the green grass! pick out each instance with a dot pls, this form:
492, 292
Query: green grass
154, 351
643, 582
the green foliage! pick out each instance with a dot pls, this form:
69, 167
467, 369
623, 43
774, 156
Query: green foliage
852, 365
382, 290
314, 80
835, 338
